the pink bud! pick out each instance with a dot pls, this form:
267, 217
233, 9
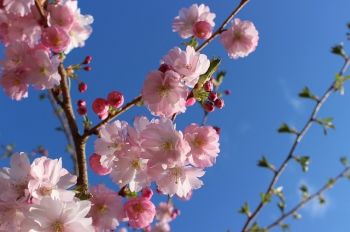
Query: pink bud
208, 106
212, 96
219, 103
175, 213
190, 101
81, 103
147, 193
82, 110
227, 92
208, 86
82, 87
217, 129
87, 68
96, 166
202, 30
115, 99
100, 107
55, 38
87, 60
164, 67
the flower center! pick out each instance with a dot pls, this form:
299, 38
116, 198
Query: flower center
137, 208
176, 173
168, 146
57, 227
45, 191
163, 90
102, 208
135, 164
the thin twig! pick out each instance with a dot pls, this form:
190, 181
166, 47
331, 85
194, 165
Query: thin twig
303, 202
296, 142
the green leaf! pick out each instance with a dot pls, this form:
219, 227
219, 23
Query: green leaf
214, 65
200, 95
304, 162
306, 93
326, 123
321, 200
284, 128
304, 191
339, 83
279, 193
285, 227
344, 161
296, 215
257, 228
264, 163
330, 183
193, 42
281, 205
219, 78
265, 198
339, 50
245, 209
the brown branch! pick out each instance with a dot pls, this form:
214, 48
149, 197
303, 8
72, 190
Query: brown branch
303, 202
42, 13
296, 142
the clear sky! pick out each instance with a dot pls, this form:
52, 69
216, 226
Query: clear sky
128, 41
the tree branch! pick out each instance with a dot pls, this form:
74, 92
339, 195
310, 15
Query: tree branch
296, 142
303, 202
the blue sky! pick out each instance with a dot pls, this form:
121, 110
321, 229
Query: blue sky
128, 41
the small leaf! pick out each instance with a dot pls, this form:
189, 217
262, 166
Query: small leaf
285, 227
281, 205
330, 183
306, 93
344, 161
245, 209
339, 50
200, 95
326, 123
264, 163
284, 128
265, 198
296, 215
214, 65
257, 228
304, 162
304, 191
193, 42
321, 200
279, 193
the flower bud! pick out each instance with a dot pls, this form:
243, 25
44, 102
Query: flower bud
208, 106
219, 103
82, 87
202, 30
212, 96
82, 110
81, 103
96, 166
87, 60
227, 92
190, 101
115, 99
87, 68
164, 67
208, 86
147, 193
100, 107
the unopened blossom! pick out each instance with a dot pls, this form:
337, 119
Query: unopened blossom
43, 70
179, 180
55, 215
112, 143
240, 39
100, 107
55, 38
131, 169
204, 143
189, 64
96, 166
140, 212
49, 178
15, 84
188, 17
18, 7
115, 99
14, 180
164, 94
164, 145
107, 209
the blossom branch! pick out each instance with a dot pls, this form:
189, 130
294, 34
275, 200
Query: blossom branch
296, 142
311, 197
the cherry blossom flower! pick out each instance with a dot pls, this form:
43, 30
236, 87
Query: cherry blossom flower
179, 180
189, 64
163, 144
112, 142
164, 212
164, 94
140, 212
61, 15
240, 39
161, 227
55, 38
18, 7
107, 209
188, 17
12, 215
49, 178
55, 215
15, 84
204, 143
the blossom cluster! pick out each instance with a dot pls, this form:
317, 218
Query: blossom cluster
35, 49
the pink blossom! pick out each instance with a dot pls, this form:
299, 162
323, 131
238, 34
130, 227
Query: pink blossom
140, 211
12, 215
134, 133
131, 169
100, 107
55, 215
161, 227
43, 70
164, 94
164, 212
115, 99
163, 144
179, 180
96, 165
49, 178
15, 84
112, 143
188, 17
204, 143
61, 15
18, 7
189, 64
55, 38
14, 180
107, 209
240, 39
